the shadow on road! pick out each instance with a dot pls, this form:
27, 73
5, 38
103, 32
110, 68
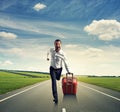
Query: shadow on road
55, 108
70, 99
70, 102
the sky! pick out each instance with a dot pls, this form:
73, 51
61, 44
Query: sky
89, 31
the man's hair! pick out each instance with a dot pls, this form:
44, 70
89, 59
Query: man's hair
58, 40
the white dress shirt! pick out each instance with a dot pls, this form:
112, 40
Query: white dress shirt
57, 58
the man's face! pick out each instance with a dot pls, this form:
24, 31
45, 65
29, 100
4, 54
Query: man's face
57, 45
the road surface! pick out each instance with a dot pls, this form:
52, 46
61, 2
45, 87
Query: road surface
38, 98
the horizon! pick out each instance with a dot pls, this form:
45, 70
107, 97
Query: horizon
89, 30
88, 75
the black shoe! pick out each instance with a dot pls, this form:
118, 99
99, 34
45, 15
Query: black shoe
55, 100
58, 79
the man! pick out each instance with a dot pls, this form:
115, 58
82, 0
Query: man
57, 58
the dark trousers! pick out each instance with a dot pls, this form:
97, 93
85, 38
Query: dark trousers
55, 74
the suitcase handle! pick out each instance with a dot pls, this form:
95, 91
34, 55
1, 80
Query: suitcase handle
67, 81
69, 74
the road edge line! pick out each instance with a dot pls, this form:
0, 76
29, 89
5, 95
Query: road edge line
19, 93
101, 92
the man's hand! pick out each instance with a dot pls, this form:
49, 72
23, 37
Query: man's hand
48, 59
69, 73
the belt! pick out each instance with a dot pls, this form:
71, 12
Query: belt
55, 68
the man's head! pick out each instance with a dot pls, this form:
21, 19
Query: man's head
57, 44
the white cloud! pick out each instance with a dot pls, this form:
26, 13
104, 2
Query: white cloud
34, 27
6, 63
93, 52
71, 46
84, 60
26, 52
39, 6
87, 60
106, 30
12, 51
8, 35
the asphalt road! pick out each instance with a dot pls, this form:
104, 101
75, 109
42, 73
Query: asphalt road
38, 98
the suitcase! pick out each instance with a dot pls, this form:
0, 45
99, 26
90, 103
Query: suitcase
69, 84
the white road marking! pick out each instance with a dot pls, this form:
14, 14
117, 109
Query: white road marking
101, 92
19, 93
64, 110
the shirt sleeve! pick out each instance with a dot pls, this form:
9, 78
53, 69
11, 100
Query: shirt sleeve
63, 57
48, 52
66, 64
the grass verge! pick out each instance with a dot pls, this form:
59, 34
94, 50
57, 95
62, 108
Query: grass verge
12, 81
107, 82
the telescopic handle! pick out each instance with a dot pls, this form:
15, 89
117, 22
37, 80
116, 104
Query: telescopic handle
69, 74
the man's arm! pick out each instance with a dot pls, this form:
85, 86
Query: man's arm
66, 64
63, 57
48, 53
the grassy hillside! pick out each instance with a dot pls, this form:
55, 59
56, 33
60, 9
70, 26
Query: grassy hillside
107, 82
10, 81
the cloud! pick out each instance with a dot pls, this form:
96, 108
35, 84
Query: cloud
14, 52
106, 30
39, 6
8, 35
32, 27
97, 61
6, 63
25, 51
93, 52
71, 46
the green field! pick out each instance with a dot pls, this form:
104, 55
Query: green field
39, 75
11, 81
107, 82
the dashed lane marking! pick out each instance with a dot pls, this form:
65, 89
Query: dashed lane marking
64, 110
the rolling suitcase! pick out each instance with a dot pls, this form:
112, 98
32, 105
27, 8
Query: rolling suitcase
69, 84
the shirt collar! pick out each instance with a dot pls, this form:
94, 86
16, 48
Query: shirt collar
59, 50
